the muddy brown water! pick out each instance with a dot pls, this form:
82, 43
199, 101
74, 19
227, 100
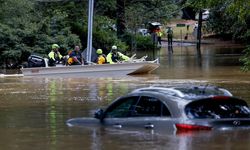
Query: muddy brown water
33, 110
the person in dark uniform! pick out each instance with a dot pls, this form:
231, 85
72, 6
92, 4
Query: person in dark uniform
170, 36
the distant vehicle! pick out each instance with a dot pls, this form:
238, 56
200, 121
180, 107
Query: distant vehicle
205, 15
176, 108
153, 26
143, 31
155, 23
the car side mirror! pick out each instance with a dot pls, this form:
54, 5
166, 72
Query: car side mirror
99, 114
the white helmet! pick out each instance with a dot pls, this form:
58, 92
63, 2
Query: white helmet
114, 47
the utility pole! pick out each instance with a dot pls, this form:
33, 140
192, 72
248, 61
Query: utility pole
90, 25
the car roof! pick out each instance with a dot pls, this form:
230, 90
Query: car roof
186, 92
179, 96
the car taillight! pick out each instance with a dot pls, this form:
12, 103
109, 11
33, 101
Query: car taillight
191, 127
220, 98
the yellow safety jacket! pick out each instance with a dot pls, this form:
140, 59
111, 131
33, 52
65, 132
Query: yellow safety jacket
54, 56
101, 59
112, 58
159, 34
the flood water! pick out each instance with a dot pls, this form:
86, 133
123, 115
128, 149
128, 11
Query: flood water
33, 110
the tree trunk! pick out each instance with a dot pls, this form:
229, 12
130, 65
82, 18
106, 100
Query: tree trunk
120, 7
199, 30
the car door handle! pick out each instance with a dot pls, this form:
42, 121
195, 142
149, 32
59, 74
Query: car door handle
117, 125
149, 126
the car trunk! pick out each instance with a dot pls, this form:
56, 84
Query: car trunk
217, 112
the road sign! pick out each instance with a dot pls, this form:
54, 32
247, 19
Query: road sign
180, 25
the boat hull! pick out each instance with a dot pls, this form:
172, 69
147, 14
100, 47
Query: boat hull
108, 69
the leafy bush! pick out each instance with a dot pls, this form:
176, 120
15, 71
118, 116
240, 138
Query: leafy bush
138, 42
246, 60
144, 42
32, 31
104, 35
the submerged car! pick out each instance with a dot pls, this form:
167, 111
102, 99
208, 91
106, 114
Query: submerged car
173, 108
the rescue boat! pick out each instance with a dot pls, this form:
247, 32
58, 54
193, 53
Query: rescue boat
132, 67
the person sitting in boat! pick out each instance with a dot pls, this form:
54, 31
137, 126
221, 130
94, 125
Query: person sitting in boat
101, 59
54, 56
75, 57
114, 56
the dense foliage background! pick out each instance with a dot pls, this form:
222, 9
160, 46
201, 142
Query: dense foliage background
31, 26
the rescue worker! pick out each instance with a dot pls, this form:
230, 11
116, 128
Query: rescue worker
54, 56
159, 35
115, 56
101, 59
75, 57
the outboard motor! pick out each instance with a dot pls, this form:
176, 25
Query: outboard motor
36, 61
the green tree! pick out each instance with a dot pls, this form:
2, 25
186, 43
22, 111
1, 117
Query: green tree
63, 22
246, 60
75, 15
233, 19
229, 19
29, 30
17, 24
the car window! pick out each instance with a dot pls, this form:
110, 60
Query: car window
192, 93
215, 109
121, 108
149, 106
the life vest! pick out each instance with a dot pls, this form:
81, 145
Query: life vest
70, 61
101, 59
72, 56
55, 56
159, 33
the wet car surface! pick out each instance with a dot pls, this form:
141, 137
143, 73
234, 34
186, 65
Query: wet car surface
175, 108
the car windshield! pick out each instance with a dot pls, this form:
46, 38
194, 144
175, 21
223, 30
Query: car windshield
219, 108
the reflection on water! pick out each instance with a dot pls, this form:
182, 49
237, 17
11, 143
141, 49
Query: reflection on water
33, 111
52, 113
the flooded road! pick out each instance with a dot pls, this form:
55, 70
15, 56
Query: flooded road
33, 110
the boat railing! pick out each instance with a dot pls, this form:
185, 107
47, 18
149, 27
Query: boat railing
138, 60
